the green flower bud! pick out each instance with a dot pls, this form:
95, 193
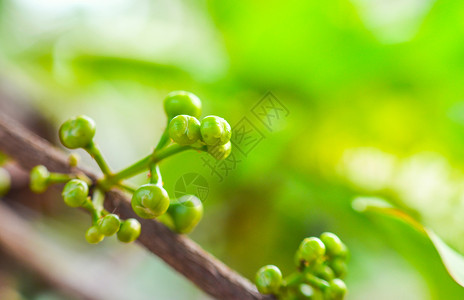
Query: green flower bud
186, 214
39, 179
324, 271
5, 182
182, 103
339, 267
337, 289
305, 291
77, 132
150, 201
93, 235
75, 192
268, 279
333, 244
215, 130
73, 159
109, 224
129, 230
311, 249
184, 130
220, 152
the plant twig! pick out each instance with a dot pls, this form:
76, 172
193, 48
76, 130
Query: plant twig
181, 253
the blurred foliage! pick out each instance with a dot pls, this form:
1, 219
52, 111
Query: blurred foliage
374, 94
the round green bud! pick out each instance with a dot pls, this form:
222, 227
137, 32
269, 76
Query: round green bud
311, 249
184, 130
39, 179
75, 192
182, 103
305, 291
215, 130
220, 152
5, 182
268, 279
186, 214
324, 271
93, 235
77, 132
339, 267
129, 230
333, 244
337, 289
150, 201
109, 224
73, 159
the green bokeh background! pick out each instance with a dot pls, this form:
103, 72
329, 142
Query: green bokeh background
375, 106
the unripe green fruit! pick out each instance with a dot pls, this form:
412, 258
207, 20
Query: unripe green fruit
184, 130
75, 192
39, 179
186, 214
109, 224
268, 279
129, 230
339, 267
77, 132
311, 249
215, 130
337, 289
5, 182
182, 103
324, 271
220, 152
93, 235
333, 244
150, 201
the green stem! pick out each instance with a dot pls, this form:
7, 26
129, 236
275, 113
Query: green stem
126, 187
98, 199
293, 279
141, 165
88, 205
316, 282
95, 152
163, 140
155, 175
60, 178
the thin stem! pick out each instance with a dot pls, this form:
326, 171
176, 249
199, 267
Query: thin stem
142, 165
293, 279
88, 205
98, 198
95, 152
164, 140
126, 187
60, 178
155, 174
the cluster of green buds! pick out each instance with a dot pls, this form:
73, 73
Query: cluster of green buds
5, 180
321, 268
149, 201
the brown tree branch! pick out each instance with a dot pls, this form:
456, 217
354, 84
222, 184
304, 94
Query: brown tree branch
181, 253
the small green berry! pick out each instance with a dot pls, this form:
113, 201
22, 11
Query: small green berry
305, 291
129, 230
150, 201
39, 179
215, 130
339, 267
5, 182
109, 224
77, 132
93, 235
220, 152
268, 279
73, 159
324, 271
186, 214
182, 103
311, 249
333, 244
337, 289
184, 129
75, 192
